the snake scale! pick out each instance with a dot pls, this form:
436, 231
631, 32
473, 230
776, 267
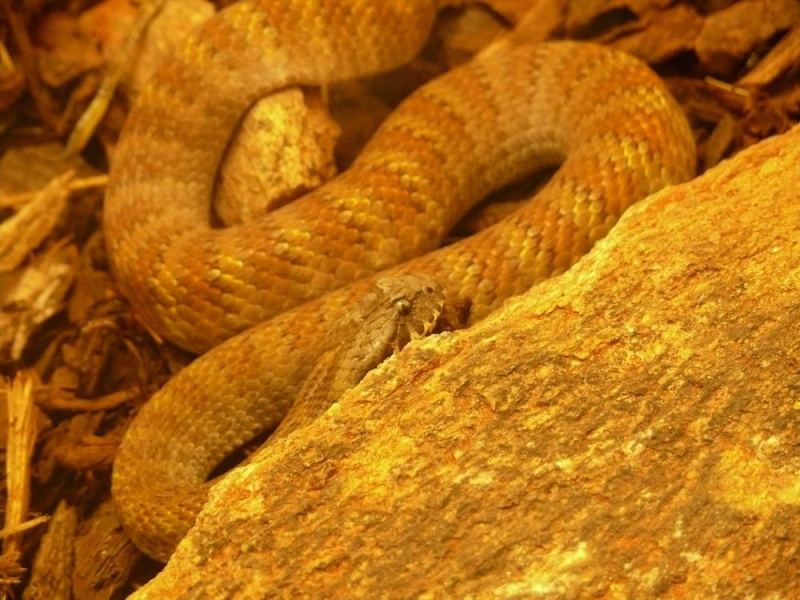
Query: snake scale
286, 279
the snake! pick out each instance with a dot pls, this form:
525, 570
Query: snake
260, 299
396, 311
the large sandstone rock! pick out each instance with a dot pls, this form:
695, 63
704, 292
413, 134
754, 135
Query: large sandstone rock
629, 429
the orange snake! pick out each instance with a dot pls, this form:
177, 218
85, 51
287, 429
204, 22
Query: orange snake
603, 115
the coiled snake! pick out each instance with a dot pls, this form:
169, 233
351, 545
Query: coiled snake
603, 115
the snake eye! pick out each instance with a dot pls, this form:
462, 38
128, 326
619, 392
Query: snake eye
402, 306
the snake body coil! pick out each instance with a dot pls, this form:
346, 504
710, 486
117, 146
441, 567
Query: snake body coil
608, 120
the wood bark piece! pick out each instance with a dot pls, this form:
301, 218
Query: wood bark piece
282, 150
629, 429
730, 35
51, 575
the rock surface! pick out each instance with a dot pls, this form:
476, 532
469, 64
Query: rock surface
629, 429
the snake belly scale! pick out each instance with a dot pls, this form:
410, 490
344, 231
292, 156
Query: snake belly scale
285, 280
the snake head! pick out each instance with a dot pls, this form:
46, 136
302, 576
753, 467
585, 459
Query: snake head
397, 309
404, 308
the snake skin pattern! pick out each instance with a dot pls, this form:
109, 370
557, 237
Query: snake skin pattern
602, 115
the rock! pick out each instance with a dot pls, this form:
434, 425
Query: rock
629, 429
